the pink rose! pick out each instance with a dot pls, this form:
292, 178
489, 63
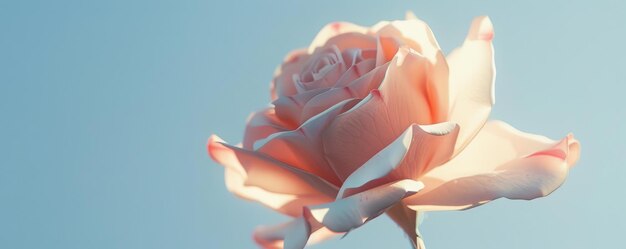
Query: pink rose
373, 120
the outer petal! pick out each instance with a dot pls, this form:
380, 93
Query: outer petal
500, 162
472, 78
407, 219
260, 125
411, 92
274, 184
349, 213
302, 147
272, 237
416, 148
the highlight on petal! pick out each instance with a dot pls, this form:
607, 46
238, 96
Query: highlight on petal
279, 186
414, 33
472, 81
500, 162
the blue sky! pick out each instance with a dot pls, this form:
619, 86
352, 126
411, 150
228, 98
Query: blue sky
106, 107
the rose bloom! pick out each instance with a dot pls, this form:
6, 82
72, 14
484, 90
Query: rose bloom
373, 120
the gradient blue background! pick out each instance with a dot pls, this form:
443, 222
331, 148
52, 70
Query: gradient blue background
106, 107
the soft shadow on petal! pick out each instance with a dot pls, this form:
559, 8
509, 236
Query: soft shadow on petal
272, 183
500, 162
472, 79
260, 125
302, 147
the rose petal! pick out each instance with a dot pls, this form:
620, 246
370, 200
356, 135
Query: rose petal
416, 148
415, 33
358, 88
267, 173
408, 219
302, 147
260, 125
332, 30
500, 162
322, 70
386, 49
355, 71
282, 84
272, 237
472, 79
289, 108
236, 178
413, 91
349, 213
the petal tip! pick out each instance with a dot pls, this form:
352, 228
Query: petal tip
440, 129
482, 29
573, 150
213, 145
409, 15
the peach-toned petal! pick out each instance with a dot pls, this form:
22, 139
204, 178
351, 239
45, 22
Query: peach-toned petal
407, 219
282, 84
414, 33
500, 162
416, 89
235, 177
322, 70
302, 147
413, 91
348, 213
272, 237
332, 30
343, 215
356, 71
289, 108
386, 49
417, 147
472, 78
267, 173
260, 125
358, 88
